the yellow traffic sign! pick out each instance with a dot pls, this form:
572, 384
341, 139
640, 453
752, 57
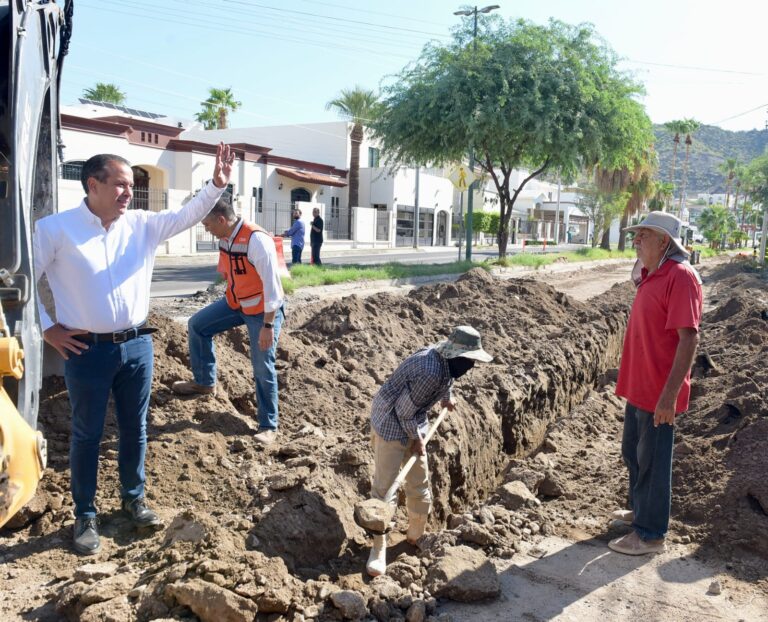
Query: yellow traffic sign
462, 177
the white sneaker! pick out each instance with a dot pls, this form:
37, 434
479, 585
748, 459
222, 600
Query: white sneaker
267, 437
377, 560
417, 523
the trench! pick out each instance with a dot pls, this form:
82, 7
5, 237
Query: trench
474, 451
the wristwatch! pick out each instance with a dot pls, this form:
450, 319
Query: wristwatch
268, 325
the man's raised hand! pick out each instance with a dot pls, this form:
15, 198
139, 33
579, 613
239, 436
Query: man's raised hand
225, 157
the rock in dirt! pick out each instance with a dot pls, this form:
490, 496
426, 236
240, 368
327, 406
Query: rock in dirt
212, 603
351, 604
553, 485
515, 495
477, 534
115, 610
532, 479
94, 572
464, 575
373, 514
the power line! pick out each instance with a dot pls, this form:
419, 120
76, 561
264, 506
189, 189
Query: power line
207, 24
692, 68
339, 19
355, 32
351, 8
741, 114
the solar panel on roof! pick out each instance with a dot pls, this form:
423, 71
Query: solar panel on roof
131, 111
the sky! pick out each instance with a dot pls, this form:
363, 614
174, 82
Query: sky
285, 59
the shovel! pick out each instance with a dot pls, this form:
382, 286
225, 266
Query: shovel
374, 515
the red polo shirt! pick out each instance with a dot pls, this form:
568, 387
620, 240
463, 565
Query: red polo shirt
667, 299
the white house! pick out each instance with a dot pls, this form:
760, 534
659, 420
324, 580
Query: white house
170, 165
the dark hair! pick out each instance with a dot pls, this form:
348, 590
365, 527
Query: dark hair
223, 207
97, 167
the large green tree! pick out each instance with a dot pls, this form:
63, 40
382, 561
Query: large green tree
105, 92
532, 97
359, 106
216, 109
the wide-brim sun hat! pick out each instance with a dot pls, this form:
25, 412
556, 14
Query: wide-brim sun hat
665, 223
463, 341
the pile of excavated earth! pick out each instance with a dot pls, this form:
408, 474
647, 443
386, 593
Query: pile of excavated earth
530, 451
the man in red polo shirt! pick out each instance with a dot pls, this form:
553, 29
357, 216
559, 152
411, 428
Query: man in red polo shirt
654, 376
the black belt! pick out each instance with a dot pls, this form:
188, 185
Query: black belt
119, 336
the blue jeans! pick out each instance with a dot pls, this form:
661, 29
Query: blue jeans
218, 317
647, 452
125, 370
296, 254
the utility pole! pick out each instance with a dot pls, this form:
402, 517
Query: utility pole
557, 214
416, 212
470, 196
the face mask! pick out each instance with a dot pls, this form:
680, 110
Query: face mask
459, 366
295, 217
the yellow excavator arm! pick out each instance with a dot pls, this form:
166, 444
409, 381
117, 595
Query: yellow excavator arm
34, 38
22, 449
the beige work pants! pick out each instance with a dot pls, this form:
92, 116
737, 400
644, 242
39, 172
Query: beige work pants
388, 457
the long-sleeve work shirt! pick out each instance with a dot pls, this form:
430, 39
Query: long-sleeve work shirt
399, 409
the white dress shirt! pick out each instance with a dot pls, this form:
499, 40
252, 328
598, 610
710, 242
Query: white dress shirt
263, 256
100, 278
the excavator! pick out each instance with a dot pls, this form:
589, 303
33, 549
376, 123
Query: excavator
34, 39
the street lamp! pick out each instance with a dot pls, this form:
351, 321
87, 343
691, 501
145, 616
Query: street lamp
470, 198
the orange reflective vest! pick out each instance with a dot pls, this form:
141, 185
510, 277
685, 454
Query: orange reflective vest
245, 290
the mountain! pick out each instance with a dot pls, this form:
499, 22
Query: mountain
711, 146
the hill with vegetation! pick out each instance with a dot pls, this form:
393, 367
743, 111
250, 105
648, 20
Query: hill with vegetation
711, 146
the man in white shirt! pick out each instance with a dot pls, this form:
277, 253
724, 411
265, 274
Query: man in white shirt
254, 297
98, 259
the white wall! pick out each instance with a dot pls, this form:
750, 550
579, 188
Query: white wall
365, 225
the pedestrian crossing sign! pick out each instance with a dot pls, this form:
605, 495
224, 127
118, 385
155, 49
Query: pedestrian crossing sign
462, 177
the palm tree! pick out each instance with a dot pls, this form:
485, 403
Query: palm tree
676, 128
690, 126
209, 117
218, 105
662, 194
360, 107
105, 92
728, 168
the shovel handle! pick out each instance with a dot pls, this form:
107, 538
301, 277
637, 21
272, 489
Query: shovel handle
412, 460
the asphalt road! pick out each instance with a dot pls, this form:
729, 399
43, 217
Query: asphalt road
185, 276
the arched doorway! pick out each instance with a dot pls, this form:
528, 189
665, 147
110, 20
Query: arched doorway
140, 188
300, 194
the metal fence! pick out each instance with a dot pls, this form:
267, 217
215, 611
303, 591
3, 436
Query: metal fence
382, 224
149, 199
274, 216
338, 223
406, 217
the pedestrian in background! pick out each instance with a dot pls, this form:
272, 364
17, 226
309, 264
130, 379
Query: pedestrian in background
296, 233
98, 259
316, 236
654, 376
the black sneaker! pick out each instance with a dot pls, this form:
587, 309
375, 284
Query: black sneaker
140, 514
86, 536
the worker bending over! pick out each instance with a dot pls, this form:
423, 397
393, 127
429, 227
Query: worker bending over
399, 424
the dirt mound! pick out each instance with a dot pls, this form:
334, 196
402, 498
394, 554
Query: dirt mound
720, 489
271, 531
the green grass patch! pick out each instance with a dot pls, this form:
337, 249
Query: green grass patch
306, 275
